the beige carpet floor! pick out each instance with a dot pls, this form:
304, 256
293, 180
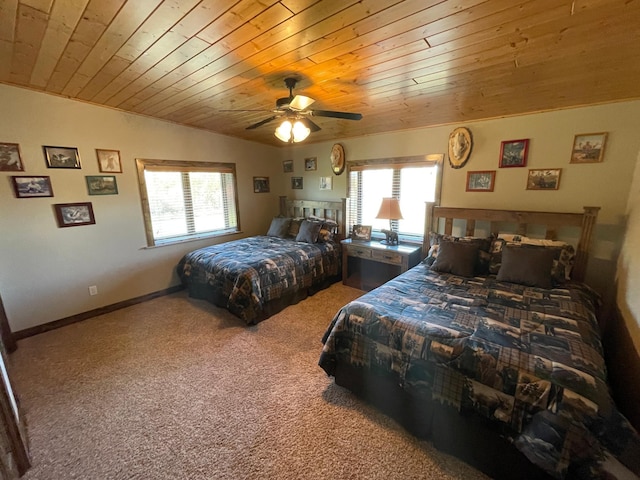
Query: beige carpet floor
177, 388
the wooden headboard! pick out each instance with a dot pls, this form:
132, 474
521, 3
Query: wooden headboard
552, 221
334, 210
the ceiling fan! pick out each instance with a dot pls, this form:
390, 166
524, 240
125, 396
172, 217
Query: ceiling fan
296, 108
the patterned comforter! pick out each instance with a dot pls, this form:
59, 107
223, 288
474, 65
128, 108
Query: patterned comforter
528, 360
243, 275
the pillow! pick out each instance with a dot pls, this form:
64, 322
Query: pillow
325, 235
564, 254
526, 266
484, 246
279, 227
309, 231
458, 258
294, 227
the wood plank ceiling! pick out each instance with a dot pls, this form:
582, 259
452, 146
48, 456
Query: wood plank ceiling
402, 64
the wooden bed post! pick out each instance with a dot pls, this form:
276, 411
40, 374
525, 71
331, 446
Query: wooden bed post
283, 206
582, 253
428, 227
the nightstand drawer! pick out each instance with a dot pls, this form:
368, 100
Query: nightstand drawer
388, 257
356, 251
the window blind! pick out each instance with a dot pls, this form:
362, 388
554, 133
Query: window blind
412, 182
187, 199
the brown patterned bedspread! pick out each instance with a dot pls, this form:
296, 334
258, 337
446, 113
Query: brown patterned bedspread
527, 359
243, 275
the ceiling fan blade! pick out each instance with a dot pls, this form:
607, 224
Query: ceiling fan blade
329, 113
300, 102
253, 110
310, 125
262, 122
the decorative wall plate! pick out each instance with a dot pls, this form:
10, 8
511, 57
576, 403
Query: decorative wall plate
460, 145
337, 159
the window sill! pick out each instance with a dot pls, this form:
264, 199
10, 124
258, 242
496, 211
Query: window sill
180, 240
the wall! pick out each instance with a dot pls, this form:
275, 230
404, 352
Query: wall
551, 135
46, 270
629, 264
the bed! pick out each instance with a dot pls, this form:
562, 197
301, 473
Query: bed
256, 277
487, 363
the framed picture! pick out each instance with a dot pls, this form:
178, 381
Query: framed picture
74, 214
62, 157
588, 148
296, 183
544, 179
326, 183
513, 153
287, 166
481, 181
30, 187
102, 185
10, 159
361, 233
109, 161
261, 184
310, 164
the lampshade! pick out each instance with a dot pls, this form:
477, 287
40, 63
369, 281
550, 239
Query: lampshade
390, 209
295, 132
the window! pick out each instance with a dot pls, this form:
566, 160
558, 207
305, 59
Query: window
412, 180
187, 200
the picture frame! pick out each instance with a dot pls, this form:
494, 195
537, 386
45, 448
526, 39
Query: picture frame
588, 147
481, 181
326, 183
102, 185
287, 166
261, 185
32, 187
361, 233
61, 157
513, 153
10, 158
297, 183
74, 214
310, 164
109, 160
544, 179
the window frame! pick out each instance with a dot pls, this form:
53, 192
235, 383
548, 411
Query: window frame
430, 160
186, 166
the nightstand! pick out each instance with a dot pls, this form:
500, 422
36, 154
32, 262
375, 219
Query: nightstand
367, 265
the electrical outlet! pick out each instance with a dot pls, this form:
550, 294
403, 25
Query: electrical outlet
93, 290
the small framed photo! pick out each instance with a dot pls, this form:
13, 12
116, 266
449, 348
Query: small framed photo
74, 214
31, 187
109, 161
361, 233
296, 183
62, 157
588, 148
287, 166
544, 179
102, 185
326, 183
481, 181
261, 184
513, 153
310, 164
10, 159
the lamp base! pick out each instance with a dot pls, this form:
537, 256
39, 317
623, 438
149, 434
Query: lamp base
392, 238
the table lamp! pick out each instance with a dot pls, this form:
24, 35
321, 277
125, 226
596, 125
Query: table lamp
390, 210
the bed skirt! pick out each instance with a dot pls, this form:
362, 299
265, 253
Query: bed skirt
464, 436
268, 309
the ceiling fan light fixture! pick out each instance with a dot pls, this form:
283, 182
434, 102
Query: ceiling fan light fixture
283, 132
300, 131
288, 132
